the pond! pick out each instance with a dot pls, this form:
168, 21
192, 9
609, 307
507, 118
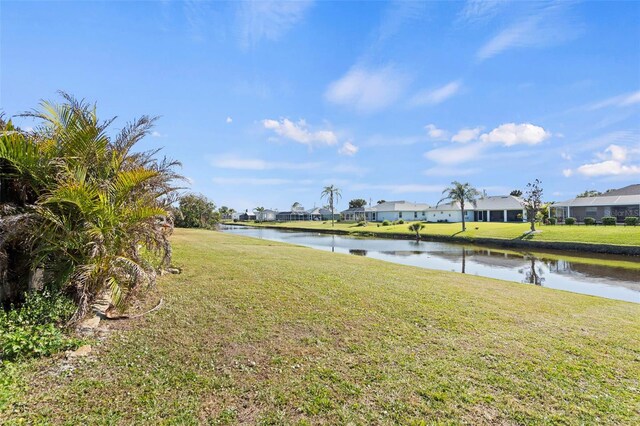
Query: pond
560, 270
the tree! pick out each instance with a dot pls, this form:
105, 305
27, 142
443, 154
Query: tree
196, 211
82, 204
416, 227
460, 193
259, 211
381, 201
516, 193
357, 203
533, 201
333, 195
589, 193
296, 206
224, 212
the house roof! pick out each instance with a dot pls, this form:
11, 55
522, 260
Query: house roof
397, 206
497, 202
604, 200
627, 190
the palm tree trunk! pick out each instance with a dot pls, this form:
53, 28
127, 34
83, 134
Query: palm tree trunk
332, 214
464, 226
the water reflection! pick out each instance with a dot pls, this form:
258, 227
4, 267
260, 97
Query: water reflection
553, 271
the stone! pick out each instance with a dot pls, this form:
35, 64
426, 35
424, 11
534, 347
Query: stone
83, 350
90, 324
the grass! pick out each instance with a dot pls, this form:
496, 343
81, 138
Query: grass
258, 332
615, 235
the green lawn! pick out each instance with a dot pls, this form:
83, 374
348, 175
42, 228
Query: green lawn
258, 332
617, 235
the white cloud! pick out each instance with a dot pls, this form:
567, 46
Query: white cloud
258, 181
348, 149
299, 132
466, 135
543, 25
479, 10
230, 161
513, 134
438, 95
367, 90
616, 162
626, 99
435, 133
565, 156
608, 168
156, 134
455, 155
229, 120
268, 20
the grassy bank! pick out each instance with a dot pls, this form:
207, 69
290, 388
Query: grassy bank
259, 332
614, 235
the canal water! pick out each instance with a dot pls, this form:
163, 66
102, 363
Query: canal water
547, 270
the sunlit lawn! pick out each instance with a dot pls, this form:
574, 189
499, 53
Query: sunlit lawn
260, 332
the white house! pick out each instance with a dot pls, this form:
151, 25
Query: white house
501, 208
266, 216
389, 210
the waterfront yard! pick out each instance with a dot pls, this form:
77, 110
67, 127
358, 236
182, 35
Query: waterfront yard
254, 331
616, 235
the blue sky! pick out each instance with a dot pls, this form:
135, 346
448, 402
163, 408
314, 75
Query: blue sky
265, 103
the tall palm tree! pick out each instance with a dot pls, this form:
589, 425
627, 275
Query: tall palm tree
460, 193
333, 195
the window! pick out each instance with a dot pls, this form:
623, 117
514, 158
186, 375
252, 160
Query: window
415, 215
423, 214
400, 214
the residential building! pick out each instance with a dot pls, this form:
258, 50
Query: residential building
389, 210
266, 216
501, 208
619, 203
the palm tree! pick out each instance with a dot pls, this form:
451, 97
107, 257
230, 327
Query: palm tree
416, 227
258, 211
332, 194
460, 193
85, 204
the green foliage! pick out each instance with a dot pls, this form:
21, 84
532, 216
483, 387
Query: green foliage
386, 223
609, 220
589, 193
516, 193
399, 222
460, 193
362, 223
416, 227
196, 211
589, 221
36, 328
357, 203
570, 221
631, 221
87, 202
552, 221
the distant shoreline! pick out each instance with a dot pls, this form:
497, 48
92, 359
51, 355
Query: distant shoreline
626, 250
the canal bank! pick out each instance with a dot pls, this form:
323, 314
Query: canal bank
522, 242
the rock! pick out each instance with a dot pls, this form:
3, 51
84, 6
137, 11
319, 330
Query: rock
83, 350
90, 324
173, 270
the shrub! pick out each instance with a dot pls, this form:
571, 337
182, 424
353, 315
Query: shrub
570, 221
552, 221
609, 220
631, 221
362, 223
589, 221
400, 221
36, 328
386, 223
235, 220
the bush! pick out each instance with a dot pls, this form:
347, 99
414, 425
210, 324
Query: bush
589, 221
631, 221
609, 220
552, 221
400, 221
570, 221
386, 223
362, 223
36, 328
